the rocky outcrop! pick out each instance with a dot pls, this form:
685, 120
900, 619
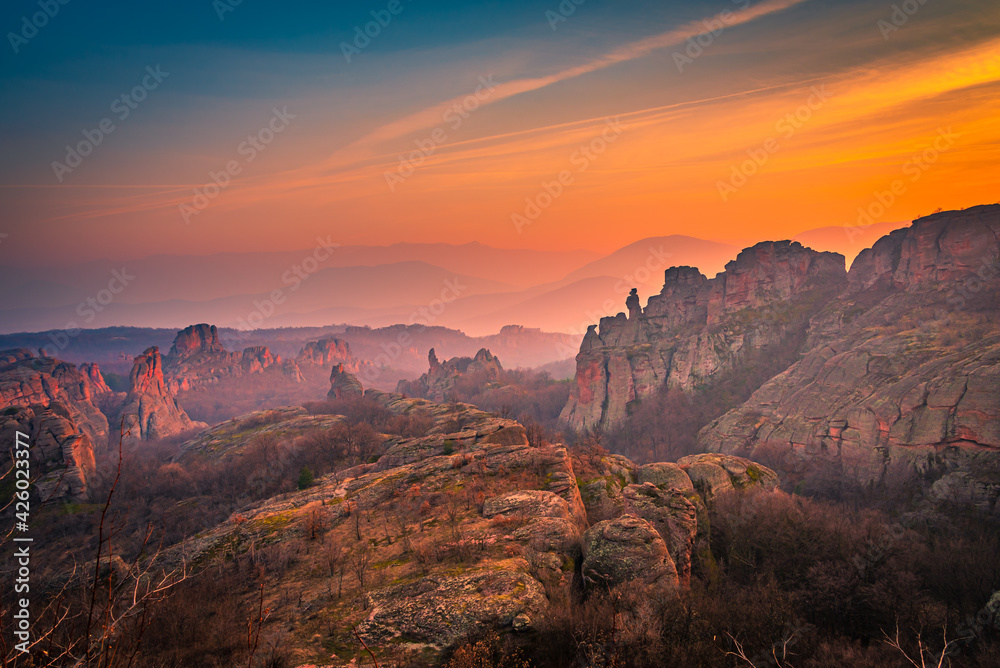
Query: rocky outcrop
150, 408
344, 385
197, 360
469, 527
61, 454
441, 379
698, 328
196, 340
900, 374
623, 550
27, 380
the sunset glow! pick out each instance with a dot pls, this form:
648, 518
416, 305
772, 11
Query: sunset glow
455, 142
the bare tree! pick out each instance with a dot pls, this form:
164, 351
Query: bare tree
925, 656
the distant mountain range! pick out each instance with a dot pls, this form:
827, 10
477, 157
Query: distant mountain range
472, 287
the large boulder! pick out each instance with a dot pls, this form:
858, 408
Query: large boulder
665, 475
344, 385
626, 549
673, 515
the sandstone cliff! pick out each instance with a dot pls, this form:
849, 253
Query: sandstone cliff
697, 328
27, 380
62, 455
901, 372
440, 380
150, 408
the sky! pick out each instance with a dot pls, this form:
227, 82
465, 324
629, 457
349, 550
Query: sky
132, 129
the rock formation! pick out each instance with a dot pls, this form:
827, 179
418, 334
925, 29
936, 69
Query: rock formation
697, 328
62, 455
197, 359
344, 385
441, 378
195, 340
472, 491
326, 352
27, 380
150, 408
900, 372
623, 550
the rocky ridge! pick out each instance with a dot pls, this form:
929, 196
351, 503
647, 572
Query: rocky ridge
441, 378
28, 380
900, 374
330, 352
697, 328
473, 528
197, 360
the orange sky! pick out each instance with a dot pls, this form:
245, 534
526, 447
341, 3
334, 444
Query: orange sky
918, 111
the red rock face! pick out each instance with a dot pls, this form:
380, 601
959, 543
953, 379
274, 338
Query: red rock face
921, 395
197, 359
194, 340
697, 327
950, 246
151, 409
27, 380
